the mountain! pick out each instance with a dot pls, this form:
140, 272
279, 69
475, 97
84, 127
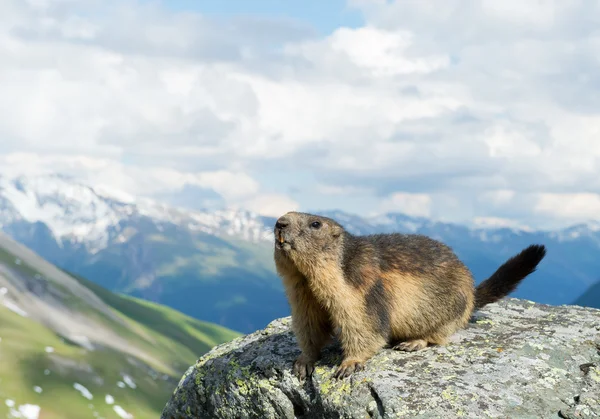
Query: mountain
72, 349
591, 298
216, 265
213, 266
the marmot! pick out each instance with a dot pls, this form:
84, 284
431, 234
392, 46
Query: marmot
406, 290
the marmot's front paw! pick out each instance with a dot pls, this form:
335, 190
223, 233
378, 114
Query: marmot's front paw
303, 367
347, 368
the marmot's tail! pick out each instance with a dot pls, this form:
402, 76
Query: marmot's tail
507, 277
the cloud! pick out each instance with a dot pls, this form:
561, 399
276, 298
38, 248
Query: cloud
379, 53
470, 110
272, 205
418, 205
571, 206
497, 222
325, 189
232, 187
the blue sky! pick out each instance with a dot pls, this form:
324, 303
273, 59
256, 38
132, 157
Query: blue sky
483, 113
324, 16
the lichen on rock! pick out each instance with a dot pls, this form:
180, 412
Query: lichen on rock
516, 359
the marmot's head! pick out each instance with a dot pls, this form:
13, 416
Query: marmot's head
300, 235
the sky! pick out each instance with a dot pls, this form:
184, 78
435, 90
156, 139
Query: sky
484, 113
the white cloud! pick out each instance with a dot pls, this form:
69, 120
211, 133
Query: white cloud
498, 222
415, 204
145, 181
476, 107
273, 205
498, 197
381, 53
509, 142
325, 189
570, 206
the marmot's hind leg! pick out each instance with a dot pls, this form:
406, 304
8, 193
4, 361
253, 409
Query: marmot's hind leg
411, 345
438, 338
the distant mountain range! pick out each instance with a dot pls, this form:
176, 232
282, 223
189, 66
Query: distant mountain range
214, 266
217, 265
72, 349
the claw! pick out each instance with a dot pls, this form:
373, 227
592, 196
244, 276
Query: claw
303, 368
411, 345
347, 368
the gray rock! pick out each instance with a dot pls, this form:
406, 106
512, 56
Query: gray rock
516, 359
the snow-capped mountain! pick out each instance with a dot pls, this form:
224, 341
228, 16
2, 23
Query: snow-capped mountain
217, 265
94, 216
208, 264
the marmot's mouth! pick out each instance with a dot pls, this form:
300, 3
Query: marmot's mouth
279, 237
281, 242
283, 245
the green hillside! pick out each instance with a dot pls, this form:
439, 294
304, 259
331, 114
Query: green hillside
192, 336
127, 365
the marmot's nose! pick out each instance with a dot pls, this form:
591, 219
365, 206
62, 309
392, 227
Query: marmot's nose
282, 223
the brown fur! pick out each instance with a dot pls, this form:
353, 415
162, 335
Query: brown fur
407, 290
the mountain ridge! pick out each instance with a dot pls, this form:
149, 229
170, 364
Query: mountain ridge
217, 265
110, 203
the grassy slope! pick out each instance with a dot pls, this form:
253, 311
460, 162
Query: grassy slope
162, 333
193, 336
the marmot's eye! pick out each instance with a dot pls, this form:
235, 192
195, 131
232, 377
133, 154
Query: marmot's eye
316, 224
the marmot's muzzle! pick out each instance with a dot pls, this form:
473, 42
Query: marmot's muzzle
279, 236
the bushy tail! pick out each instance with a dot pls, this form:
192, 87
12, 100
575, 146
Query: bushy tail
507, 277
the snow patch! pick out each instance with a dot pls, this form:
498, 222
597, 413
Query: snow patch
11, 305
109, 399
84, 391
9, 402
121, 384
82, 341
411, 226
115, 194
129, 381
593, 226
122, 413
37, 389
68, 209
49, 349
25, 411
15, 308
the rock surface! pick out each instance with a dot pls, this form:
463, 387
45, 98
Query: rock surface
516, 359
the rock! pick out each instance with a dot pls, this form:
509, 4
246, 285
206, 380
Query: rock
516, 359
